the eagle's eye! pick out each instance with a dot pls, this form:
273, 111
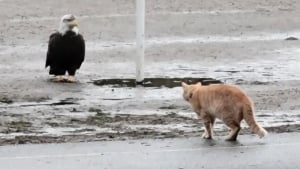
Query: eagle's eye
68, 20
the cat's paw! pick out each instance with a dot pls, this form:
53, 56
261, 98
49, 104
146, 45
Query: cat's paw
206, 136
230, 138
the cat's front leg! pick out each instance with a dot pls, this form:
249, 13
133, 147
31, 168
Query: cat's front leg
208, 133
205, 134
208, 127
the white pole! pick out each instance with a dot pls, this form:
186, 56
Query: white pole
140, 35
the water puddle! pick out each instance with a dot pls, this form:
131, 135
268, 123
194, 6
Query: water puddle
155, 82
11, 104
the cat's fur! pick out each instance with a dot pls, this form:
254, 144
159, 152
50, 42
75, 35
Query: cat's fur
225, 102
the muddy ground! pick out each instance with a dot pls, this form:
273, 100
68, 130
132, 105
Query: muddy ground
244, 43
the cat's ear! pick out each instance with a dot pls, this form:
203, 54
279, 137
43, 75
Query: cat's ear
191, 96
184, 85
199, 84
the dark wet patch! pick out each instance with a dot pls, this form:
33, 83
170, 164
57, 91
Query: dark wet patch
84, 130
63, 102
10, 115
228, 71
17, 126
267, 74
32, 98
116, 99
241, 81
155, 82
141, 133
259, 83
53, 124
6, 100
170, 107
283, 121
284, 128
74, 110
263, 115
291, 38
108, 120
59, 103
93, 109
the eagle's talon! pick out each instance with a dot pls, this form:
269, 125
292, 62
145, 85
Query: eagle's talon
71, 79
58, 79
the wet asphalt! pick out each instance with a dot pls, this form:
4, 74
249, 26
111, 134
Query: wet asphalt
279, 151
241, 43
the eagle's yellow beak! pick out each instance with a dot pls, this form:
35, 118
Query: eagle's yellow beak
73, 23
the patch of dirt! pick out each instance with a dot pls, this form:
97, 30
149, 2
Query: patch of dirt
17, 126
6, 100
104, 119
142, 133
169, 107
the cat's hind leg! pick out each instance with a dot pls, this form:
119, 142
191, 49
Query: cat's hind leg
234, 131
212, 123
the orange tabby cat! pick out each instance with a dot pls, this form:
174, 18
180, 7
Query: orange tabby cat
225, 102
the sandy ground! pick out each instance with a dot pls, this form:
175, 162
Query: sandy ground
237, 42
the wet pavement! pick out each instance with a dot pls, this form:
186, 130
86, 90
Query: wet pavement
253, 49
250, 152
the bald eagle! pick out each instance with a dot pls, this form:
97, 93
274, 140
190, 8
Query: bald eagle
66, 50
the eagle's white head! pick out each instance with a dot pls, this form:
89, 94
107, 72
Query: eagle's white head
68, 23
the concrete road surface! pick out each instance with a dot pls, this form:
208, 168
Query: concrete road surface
280, 151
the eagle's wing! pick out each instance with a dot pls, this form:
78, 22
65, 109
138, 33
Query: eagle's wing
81, 50
51, 53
